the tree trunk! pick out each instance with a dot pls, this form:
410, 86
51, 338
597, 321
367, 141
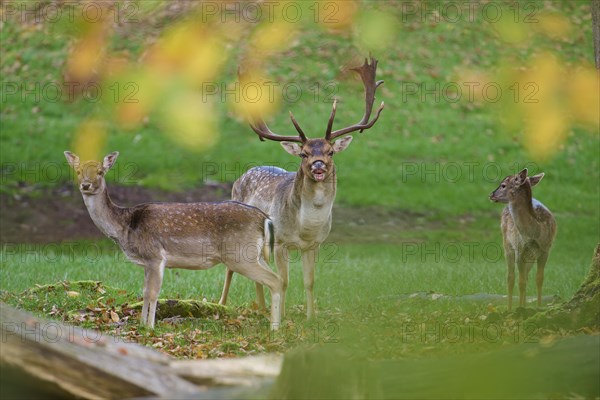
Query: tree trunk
583, 310
595, 6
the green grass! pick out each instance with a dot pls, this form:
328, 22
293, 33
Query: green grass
441, 266
407, 162
359, 289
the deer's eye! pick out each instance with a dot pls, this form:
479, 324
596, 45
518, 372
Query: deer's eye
303, 155
78, 172
503, 185
331, 153
100, 172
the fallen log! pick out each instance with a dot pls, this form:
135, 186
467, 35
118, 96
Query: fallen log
47, 357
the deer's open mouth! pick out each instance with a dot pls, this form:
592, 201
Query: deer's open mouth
319, 174
87, 189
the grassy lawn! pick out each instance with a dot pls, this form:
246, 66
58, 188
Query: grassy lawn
435, 160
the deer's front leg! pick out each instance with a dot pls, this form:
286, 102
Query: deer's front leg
524, 267
309, 259
228, 276
153, 276
539, 279
510, 280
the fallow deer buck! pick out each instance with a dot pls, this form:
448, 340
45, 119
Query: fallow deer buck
181, 235
528, 230
299, 203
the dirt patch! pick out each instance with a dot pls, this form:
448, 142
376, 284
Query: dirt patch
41, 215
32, 214
378, 225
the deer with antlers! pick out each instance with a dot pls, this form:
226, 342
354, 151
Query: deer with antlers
300, 203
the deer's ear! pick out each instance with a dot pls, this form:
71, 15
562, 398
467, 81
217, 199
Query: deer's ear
109, 160
72, 159
534, 180
292, 148
342, 144
522, 176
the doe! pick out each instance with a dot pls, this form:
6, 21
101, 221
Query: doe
528, 230
181, 235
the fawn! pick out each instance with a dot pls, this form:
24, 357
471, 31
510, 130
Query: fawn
181, 235
528, 230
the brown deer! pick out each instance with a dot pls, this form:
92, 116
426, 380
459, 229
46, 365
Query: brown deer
181, 235
299, 203
528, 230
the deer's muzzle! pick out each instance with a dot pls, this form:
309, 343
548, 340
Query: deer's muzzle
319, 170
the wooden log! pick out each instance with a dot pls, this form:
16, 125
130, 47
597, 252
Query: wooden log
232, 371
70, 361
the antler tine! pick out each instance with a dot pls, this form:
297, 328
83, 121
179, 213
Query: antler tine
259, 126
331, 118
367, 74
300, 132
262, 130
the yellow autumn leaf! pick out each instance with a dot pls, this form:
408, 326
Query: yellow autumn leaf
584, 96
554, 25
546, 121
72, 293
545, 134
254, 97
87, 53
191, 49
204, 60
510, 31
376, 30
190, 120
336, 15
272, 37
89, 140
114, 316
135, 94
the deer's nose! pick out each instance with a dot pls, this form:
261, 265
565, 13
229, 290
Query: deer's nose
85, 186
318, 165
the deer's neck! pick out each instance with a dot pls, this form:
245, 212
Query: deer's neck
107, 216
308, 193
521, 210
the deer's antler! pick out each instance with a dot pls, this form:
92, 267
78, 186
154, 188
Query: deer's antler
367, 74
259, 126
262, 130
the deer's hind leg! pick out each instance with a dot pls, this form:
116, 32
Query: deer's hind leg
260, 273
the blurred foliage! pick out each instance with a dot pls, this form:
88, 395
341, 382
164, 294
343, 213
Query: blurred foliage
170, 80
171, 99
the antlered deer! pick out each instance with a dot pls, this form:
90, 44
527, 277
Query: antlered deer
181, 235
299, 203
528, 230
